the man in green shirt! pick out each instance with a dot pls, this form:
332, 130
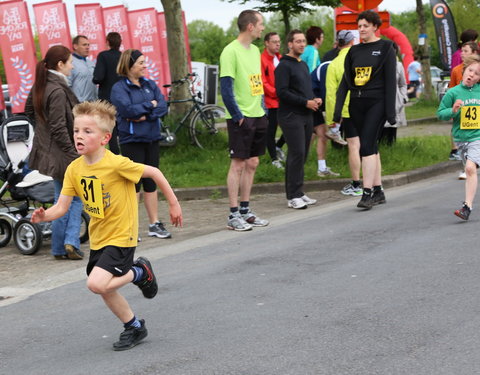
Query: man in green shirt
242, 91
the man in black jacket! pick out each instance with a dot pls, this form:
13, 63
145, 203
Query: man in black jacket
296, 103
105, 75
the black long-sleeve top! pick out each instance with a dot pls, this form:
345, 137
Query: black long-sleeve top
293, 85
370, 72
105, 73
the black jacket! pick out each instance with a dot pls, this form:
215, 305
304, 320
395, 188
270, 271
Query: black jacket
370, 72
105, 73
294, 86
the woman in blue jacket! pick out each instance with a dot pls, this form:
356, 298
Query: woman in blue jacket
140, 105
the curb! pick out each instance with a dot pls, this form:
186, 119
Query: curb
423, 120
402, 178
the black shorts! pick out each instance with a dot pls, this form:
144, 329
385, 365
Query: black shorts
349, 128
145, 153
116, 260
318, 118
249, 139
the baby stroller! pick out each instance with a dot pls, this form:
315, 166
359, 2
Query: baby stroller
27, 189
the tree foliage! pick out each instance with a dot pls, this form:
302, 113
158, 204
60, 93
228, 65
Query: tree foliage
289, 8
206, 41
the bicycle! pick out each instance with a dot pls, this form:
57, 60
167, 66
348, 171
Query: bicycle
203, 117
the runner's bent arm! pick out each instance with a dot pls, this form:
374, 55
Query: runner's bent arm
174, 207
57, 210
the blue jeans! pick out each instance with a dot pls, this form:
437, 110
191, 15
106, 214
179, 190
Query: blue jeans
66, 230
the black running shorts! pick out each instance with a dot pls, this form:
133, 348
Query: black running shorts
116, 260
249, 139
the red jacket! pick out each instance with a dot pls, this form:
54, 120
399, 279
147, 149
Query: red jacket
268, 78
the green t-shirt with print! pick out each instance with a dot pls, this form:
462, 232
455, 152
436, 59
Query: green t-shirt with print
243, 65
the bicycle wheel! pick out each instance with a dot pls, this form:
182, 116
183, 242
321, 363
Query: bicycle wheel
203, 125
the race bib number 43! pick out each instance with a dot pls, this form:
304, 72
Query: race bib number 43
256, 85
469, 117
362, 75
91, 195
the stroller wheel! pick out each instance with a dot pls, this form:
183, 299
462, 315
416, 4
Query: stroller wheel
5, 232
27, 236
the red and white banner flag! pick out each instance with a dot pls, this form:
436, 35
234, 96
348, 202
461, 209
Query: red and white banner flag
18, 50
52, 25
187, 44
162, 31
145, 37
90, 23
115, 19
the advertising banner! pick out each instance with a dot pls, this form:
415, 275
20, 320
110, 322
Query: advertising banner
90, 23
52, 25
445, 32
145, 37
18, 50
187, 44
115, 19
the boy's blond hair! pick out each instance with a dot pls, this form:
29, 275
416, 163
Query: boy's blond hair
102, 112
469, 60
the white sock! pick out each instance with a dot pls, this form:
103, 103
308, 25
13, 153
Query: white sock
335, 128
322, 165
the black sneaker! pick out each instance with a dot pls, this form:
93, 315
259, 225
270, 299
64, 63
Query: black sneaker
148, 284
131, 337
464, 212
366, 202
378, 197
158, 230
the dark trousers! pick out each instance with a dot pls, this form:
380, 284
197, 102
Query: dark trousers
297, 130
272, 132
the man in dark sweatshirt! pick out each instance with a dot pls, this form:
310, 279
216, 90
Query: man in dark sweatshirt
296, 105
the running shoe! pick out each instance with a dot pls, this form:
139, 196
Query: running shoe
464, 212
280, 154
366, 202
148, 284
297, 203
251, 218
158, 230
378, 197
131, 337
352, 190
462, 176
327, 172
335, 137
454, 156
309, 201
238, 223
277, 164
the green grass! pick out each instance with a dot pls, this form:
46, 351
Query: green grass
185, 165
421, 109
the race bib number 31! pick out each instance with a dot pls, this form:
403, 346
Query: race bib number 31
91, 195
469, 117
256, 85
362, 75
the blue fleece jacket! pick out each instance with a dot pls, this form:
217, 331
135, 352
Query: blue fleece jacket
133, 102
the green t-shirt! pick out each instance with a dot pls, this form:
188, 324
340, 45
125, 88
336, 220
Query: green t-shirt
243, 65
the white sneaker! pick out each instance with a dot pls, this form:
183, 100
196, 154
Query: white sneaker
297, 203
280, 154
336, 137
327, 172
277, 164
309, 201
462, 176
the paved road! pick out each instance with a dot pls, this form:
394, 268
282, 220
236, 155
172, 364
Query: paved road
328, 290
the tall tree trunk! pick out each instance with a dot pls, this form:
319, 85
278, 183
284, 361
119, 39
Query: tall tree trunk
424, 54
177, 53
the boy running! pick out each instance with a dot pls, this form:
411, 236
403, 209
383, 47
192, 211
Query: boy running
106, 184
462, 103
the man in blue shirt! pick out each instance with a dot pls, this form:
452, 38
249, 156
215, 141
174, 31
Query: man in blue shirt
414, 74
82, 74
